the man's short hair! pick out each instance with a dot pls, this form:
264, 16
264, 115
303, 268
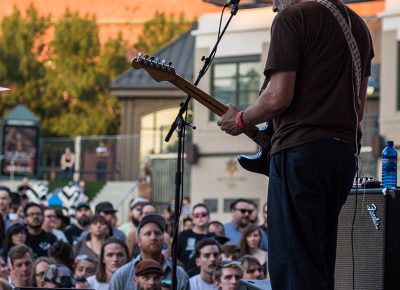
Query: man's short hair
19, 252
60, 250
215, 223
6, 189
230, 249
15, 198
201, 205
228, 265
250, 260
235, 202
206, 242
31, 204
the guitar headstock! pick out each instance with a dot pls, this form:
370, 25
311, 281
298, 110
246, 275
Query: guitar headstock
158, 69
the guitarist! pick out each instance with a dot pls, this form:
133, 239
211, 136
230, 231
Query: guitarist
312, 100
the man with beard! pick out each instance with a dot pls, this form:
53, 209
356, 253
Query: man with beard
83, 214
36, 238
150, 234
208, 255
241, 210
148, 275
314, 93
20, 264
135, 214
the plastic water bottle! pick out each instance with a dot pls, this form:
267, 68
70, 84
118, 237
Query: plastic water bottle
389, 166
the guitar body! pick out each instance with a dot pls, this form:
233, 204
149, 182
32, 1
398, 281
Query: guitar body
259, 162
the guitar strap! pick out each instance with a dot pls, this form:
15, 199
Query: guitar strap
346, 28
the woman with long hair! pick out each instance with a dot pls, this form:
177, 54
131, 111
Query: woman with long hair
16, 235
114, 254
39, 268
250, 245
99, 231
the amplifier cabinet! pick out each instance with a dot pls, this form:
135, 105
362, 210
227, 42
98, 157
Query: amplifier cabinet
376, 242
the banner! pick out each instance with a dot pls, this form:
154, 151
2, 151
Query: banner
19, 154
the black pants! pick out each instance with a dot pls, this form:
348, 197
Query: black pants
308, 185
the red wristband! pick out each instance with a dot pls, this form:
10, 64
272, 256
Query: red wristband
239, 120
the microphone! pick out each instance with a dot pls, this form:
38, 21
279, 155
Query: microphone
232, 2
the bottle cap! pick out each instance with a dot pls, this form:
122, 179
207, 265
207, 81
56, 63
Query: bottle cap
389, 143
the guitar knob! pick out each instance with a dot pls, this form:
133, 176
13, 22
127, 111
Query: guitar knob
139, 56
163, 64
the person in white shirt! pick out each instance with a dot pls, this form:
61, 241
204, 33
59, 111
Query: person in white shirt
113, 254
208, 257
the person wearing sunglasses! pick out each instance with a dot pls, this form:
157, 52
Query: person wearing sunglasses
188, 239
241, 210
227, 275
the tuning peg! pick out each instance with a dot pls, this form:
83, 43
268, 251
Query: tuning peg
152, 63
169, 67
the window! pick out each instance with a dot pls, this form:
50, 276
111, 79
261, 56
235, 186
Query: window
235, 81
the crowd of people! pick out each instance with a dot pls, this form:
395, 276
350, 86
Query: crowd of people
42, 247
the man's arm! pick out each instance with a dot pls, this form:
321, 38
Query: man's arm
271, 103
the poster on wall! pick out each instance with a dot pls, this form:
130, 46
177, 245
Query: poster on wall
19, 151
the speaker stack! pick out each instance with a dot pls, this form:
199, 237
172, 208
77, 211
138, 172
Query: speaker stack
376, 241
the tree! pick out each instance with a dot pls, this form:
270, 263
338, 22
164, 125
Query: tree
21, 58
161, 30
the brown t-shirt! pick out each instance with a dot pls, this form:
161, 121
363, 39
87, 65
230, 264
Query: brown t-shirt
307, 38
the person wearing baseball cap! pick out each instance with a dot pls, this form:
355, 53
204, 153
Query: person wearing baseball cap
150, 237
83, 214
135, 214
107, 210
148, 275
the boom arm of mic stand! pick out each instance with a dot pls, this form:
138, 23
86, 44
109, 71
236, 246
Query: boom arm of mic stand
207, 63
179, 123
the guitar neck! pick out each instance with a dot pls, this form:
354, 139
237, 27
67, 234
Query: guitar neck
202, 97
208, 101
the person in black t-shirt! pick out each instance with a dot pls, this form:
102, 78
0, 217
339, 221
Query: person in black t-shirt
83, 214
188, 239
36, 238
316, 76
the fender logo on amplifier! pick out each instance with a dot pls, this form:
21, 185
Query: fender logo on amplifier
372, 212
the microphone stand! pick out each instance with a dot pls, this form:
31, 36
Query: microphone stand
180, 124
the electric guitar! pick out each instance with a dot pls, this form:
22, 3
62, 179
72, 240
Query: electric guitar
160, 70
